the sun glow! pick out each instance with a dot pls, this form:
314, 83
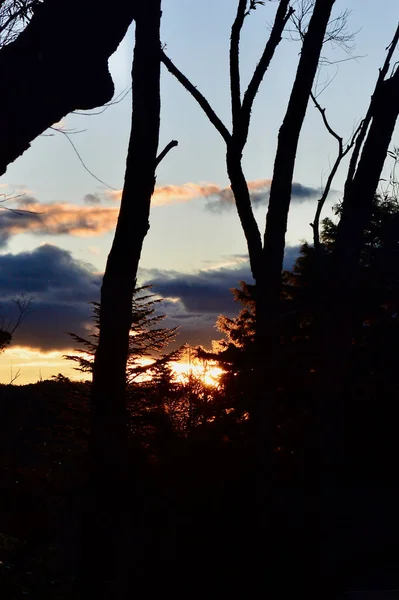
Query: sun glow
33, 365
208, 372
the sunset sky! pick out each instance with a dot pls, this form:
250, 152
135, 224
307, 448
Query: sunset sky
195, 250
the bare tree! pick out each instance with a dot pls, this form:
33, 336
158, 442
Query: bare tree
23, 304
343, 150
268, 292
337, 34
241, 107
14, 376
115, 319
108, 438
335, 335
266, 258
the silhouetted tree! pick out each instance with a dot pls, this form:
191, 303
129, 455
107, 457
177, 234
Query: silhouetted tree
266, 258
147, 339
241, 108
8, 327
115, 318
14, 16
109, 434
47, 72
336, 326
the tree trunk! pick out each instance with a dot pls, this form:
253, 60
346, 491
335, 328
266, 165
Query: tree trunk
357, 202
58, 64
337, 327
109, 521
280, 191
109, 374
240, 191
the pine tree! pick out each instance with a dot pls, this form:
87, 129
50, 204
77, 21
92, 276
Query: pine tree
148, 339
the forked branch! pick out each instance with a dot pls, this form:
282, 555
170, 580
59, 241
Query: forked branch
284, 12
342, 152
369, 115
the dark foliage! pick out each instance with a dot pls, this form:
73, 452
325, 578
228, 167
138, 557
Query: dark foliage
147, 339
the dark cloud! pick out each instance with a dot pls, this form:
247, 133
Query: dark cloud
194, 301
301, 193
259, 191
92, 199
61, 288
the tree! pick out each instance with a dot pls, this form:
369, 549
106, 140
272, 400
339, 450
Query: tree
14, 16
147, 339
336, 322
47, 73
109, 441
23, 305
280, 192
241, 108
266, 258
108, 436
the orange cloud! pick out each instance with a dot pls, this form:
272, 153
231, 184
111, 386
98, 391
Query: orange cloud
218, 197
31, 216
173, 194
28, 215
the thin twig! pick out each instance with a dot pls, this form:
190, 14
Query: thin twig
342, 152
81, 159
330, 130
119, 98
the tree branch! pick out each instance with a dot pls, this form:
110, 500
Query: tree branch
330, 130
202, 101
165, 151
235, 88
342, 152
284, 12
369, 115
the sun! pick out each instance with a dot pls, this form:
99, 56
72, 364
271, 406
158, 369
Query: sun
208, 372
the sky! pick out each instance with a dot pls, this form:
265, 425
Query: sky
195, 250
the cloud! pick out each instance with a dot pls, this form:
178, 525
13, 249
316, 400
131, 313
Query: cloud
195, 300
28, 215
92, 199
259, 191
173, 194
218, 198
62, 289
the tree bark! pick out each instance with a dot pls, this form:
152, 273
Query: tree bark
336, 332
109, 373
58, 64
280, 191
109, 521
242, 198
358, 200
